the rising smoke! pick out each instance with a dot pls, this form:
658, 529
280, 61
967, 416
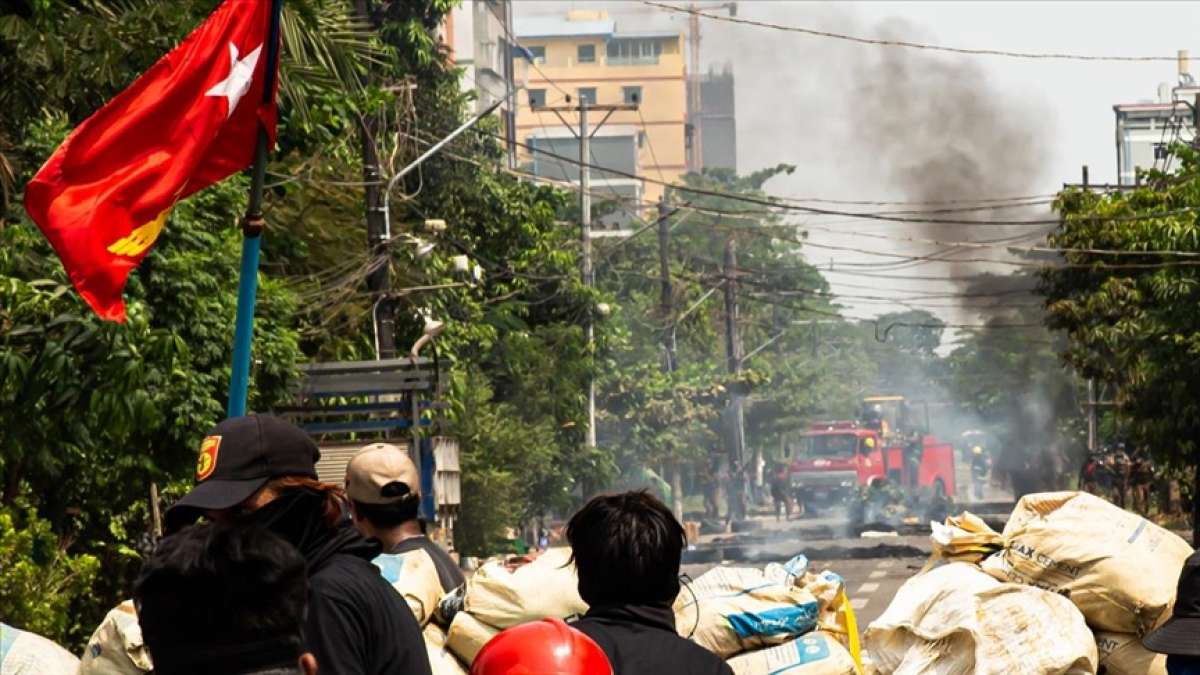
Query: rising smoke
940, 132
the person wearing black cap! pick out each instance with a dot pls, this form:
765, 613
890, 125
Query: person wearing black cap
219, 599
261, 470
1179, 637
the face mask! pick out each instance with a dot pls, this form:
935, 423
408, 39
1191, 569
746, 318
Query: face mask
1183, 665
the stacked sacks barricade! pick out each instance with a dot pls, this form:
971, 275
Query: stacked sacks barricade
955, 619
1123, 654
963, 538
769, 612
441, 660
25, 653
116, 648
414, 576
817, 653
1119, 569
496, 598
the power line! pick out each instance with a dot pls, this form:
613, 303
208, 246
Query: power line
1061, 56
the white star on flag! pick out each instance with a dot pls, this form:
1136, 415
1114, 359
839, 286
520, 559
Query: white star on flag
237, 83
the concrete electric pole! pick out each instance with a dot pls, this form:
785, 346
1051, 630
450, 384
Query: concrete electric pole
733, 355
584, 135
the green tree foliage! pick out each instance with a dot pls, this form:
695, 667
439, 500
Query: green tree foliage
38, 578
1130, 318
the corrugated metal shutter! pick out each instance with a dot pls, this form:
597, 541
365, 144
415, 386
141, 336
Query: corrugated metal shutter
332, 466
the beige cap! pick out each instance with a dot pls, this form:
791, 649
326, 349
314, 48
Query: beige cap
375, 467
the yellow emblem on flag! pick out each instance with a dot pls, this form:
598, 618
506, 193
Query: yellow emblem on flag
141, 238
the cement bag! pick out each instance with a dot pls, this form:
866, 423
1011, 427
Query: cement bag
814, 654
963, 538
956, 620
414, 576
116, 648
729, 610
1119, 569
467, 636
546, 587
441, 660
1123, 654
25, 653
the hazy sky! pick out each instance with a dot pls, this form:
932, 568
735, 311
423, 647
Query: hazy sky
866, 122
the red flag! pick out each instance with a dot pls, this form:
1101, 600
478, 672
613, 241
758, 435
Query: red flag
189, 121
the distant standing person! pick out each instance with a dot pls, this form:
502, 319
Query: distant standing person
781, 489
385, 499
261, 470
627, 550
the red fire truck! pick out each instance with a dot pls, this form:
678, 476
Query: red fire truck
834, 459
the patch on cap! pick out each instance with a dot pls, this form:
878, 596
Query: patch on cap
206, 463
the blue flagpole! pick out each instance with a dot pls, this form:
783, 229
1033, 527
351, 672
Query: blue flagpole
252, 227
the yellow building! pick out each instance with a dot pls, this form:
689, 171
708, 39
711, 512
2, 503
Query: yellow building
585, 56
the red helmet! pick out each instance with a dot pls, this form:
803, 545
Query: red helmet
546, 647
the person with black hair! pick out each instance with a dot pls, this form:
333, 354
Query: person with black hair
221, 599
261, 470
627, 549
385, 499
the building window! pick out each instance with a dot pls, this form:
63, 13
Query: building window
634, 52
632, 95
537, 98
586, 53
587, 94
537, 54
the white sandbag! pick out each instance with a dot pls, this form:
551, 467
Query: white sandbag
441, 660
956, 620
414, 576
729, 610
1123, 654
25, 653
817, 653
1118, 568
467, 635
116, 648
546, 587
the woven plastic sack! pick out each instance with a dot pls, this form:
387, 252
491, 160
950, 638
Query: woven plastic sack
467, 635
116, 648
956, 620
1123, 654
441, 660
546, 587
414, 576
1119, 569
729, 610
25, 653
817, 653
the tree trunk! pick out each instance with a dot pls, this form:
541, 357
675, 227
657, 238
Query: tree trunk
1196, 498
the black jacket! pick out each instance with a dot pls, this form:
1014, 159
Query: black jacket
357, 624
641, 640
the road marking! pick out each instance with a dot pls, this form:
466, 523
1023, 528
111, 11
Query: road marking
885, 563
868, 587
859, 603
877, 574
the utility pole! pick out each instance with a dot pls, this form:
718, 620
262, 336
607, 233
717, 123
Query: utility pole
666, 309
584, 135
664, 272
694, 100
378, 281
585, 221
733, 355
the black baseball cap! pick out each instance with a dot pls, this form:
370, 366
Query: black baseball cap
1181, 633
237, 458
